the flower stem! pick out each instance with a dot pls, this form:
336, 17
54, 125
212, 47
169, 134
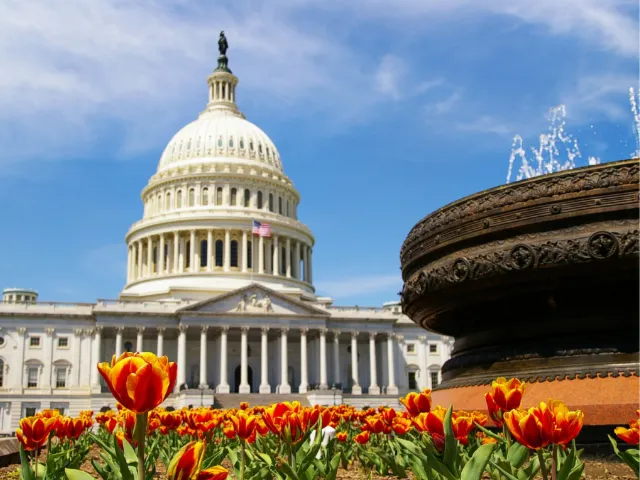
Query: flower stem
242, 461
141, 431
554, 465
543, 467
35, 466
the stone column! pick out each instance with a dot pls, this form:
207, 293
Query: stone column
192, 252
356, 389
260, 254
305, 261
304, 380
139, 340
374, 389
149, 256
310, 265
264, 358
422, 363
96, 357
284, 363
48, 348
244, 377
182, 357
119, 348
392, 389
203, 357
85, 379
77, 338
336, 356
223, 387
129, 256
161, 255
139, 273
323, 359
296, 261
168, 264
245, 258
275, 263
288, 259
176, 252
227, 250
20, 382
209, 250
160, 342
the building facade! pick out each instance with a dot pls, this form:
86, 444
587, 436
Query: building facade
231, 300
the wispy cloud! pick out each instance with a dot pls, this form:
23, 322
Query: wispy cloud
389, 76
445, 105
485, 124
361, 285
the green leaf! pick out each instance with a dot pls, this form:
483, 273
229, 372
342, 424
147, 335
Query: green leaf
130, 454
435, 464
631, 457
286, 468
77, 474
475, 466
576, 473
267, 459
26, 472
503, 471
450, 442
517, 455
410, 447
567, 465
333, 468
122, 461
418, 468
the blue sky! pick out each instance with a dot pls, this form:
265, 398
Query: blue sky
382, 110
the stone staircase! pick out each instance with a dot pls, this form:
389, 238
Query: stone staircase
232, 400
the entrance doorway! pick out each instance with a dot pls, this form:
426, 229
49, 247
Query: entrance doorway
237, 375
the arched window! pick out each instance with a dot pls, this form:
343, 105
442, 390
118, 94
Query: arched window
203, 253
234, 194
259, 199
179, 199
249, 253
234, 253
219, 196
283, 261
187, 260
271, 202
167, 201
247, 198
219, 253
204, 196
1, 373
280, 205
159, 203
192, 195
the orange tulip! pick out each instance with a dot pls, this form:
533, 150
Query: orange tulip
373, 424
505, 395
34, 431
139, 381
72, 427
433, 422
244, 405
341, 436
244, 425
261, 427
550, 423
362, 438
186, 464
630, 435
214, 473
417, 403
228, 431
401, 425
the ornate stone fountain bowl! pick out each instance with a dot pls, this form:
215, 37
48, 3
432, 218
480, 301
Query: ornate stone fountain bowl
537, 279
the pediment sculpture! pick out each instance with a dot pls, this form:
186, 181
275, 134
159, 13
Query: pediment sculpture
252, 303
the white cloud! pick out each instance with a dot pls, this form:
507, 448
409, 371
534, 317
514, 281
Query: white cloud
350, 287
389, 76
446, 105
485, 124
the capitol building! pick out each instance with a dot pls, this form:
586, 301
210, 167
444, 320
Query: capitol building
219, 279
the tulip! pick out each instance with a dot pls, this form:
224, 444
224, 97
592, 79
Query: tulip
214, 473
373, 424
186, 464
139, 381
341, 436
34, 431
244, 405
401, 425
417, 403
244, 425
505, 395
630, 435
362, 438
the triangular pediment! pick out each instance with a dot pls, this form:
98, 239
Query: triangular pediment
254, 299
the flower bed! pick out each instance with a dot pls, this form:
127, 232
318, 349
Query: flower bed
290, 442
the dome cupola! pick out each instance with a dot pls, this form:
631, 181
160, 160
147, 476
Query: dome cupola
218, 177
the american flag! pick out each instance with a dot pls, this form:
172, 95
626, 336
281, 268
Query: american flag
262, 229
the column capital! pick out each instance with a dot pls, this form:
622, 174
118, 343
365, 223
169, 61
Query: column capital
265, 329
160, 330
284, 330
323, 330
336, 334
354, 334
422, 338
119, 329
400, 338
89, 331
224, 329
49, 331
244, 328
182, 328
78, 332
304, 331
372, 335
98, 329
391, 335
204, 328
140, 329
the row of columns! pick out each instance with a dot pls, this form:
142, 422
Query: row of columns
141, 263
265, 387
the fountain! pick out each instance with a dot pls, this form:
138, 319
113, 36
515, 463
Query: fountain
536, 279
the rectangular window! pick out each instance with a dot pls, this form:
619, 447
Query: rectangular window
433, 348
29, 411
32, 377
434, 379
412, 381
34, 341
411, 347
63, 342
61, 378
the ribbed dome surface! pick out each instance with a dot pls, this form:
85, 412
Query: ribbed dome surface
220, 134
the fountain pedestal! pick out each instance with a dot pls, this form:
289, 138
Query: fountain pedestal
538, 280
